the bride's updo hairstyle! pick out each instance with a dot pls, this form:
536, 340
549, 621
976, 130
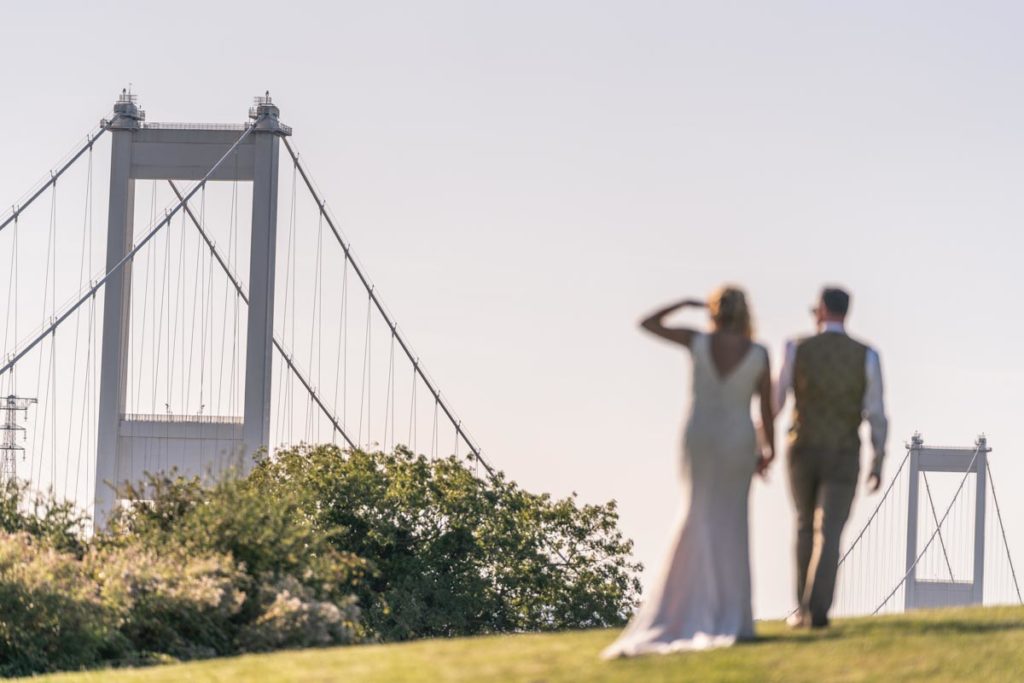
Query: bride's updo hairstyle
729, 311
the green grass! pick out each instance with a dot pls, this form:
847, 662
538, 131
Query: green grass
948, 645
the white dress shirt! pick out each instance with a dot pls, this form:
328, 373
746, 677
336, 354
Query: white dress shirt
873, 408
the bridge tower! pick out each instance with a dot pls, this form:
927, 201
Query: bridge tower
923, 459
153, 151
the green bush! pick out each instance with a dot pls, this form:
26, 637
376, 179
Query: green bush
188, 571
168, 603
57, 523
272, 540
51, 616
316, 547
292, 617
454, 554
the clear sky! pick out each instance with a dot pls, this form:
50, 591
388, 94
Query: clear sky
524, 180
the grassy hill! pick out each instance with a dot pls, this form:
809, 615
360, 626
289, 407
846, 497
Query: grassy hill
947, 645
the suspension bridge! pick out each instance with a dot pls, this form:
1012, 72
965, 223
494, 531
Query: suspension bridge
935, 538
208, 335
213, 333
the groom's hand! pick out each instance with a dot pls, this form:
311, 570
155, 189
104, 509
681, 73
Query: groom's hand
874, 482
763, 463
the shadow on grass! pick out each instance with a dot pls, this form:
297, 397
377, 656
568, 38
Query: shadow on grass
948, 627
801, 636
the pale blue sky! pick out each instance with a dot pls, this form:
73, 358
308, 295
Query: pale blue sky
524, 180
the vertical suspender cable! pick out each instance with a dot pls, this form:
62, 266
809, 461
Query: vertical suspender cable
49, 284
314, 338
433, 435
86, 246
389, 397
412, 411
364, 391
341, 363
12, 304
196, 306
53, 352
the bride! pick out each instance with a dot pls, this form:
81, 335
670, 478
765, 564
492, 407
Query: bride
701, 599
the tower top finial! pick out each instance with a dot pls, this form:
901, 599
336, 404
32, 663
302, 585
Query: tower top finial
127, 113
267, 115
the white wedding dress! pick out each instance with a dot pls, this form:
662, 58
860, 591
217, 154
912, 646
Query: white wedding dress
701, 599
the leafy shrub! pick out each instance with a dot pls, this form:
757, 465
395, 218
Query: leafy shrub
293, 617
272, 540
57, 523
168, 603
188, 571
318, 546
454, 554
51, 617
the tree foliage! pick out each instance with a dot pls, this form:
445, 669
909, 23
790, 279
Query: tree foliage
183, 571
455, 554
317, 546
58, 523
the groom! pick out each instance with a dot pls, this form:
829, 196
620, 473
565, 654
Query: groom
836, 383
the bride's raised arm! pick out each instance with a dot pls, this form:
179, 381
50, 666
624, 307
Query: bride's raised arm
654, 323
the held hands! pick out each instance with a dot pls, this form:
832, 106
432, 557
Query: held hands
764, 462
874, 480
766, 448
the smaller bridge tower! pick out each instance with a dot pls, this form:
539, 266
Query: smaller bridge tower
923, 593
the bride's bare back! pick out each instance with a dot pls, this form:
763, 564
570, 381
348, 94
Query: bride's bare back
728, 348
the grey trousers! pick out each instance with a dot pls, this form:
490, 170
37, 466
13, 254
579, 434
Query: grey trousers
823, 484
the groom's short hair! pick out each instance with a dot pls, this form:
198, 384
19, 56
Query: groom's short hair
836, 300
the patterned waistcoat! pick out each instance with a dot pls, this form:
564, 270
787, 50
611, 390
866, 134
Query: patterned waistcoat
828, 385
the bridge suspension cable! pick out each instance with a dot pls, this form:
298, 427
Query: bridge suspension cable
871, 518
1002, 530
12, 214
874, 513
942, 542
237, 284
375, 301
91, 291
310, 376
